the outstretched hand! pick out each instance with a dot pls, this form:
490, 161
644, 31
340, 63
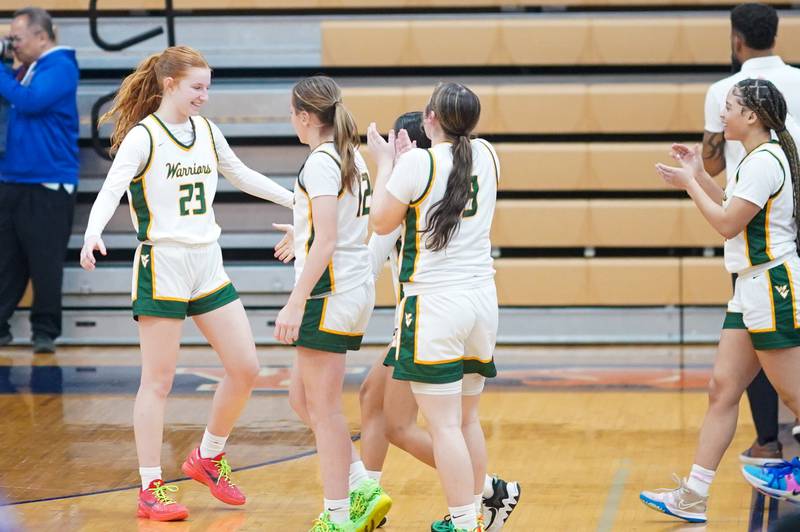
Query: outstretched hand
673, 176
382, 150
284, 250
403, 143
689, 158
91, 244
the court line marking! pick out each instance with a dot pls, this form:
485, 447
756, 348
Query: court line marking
614, 496
275, 461
757, 502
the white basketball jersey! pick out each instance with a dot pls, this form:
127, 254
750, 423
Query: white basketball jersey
171, 199
321, 176
467, 257
764, 179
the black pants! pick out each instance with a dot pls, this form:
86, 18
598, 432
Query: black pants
35, 224
764, 406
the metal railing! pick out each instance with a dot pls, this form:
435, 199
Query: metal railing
94, 19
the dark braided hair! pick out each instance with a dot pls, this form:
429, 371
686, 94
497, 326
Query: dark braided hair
769, 105
458, 109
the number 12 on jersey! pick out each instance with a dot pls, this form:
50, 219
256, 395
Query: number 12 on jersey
194, 193
364, 195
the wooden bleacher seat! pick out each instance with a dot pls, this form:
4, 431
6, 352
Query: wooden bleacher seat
565, 282
530, 40
577, 166
80, 5
704, 281
551, 108
601, 223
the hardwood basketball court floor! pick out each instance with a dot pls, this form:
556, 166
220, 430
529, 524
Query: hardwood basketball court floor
583, 429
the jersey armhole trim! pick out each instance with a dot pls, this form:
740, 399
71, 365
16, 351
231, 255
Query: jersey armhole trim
783, 171
213, 142
491, 155
429, 186
140, 175
338, 165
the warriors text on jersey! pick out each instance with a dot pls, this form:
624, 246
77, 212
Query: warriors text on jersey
171, 197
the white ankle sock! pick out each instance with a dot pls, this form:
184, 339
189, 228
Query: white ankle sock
488, 489
148, 475
479, 503
700, 480
211, 445
375, 475
338, 510
464, 516
358, 474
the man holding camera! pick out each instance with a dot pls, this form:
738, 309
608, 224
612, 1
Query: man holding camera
38, 174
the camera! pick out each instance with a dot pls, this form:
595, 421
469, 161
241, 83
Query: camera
6, 50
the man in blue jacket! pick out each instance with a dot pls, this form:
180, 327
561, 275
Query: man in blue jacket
38, 174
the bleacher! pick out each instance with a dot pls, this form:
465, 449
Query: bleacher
580, 97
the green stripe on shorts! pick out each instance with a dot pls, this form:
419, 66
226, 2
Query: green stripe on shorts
213, 301
733, 320
313, 338
785, 334
144, 304
405, 367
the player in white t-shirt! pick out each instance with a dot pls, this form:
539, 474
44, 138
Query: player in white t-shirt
332, 300
758, 218
444, 198
167, 158
388, 408
753, 31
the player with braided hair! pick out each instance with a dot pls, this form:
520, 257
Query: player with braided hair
756, 215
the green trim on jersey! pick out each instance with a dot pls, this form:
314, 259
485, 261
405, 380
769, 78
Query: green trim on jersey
180, 144
326, 283
755, 233
312, 337
491, 156
138, 192
411, 244
213, 142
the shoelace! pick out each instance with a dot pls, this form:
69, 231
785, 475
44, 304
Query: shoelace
681, 487
223, 470
160, 493
323, 524
778, 470
359, 499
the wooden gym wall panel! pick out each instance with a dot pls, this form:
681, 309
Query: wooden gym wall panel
575, 282
601, 223
705, 282
587, 282
550, 108
581, 166
222, 5
621, 40
581, 282
541, 223
575, 166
